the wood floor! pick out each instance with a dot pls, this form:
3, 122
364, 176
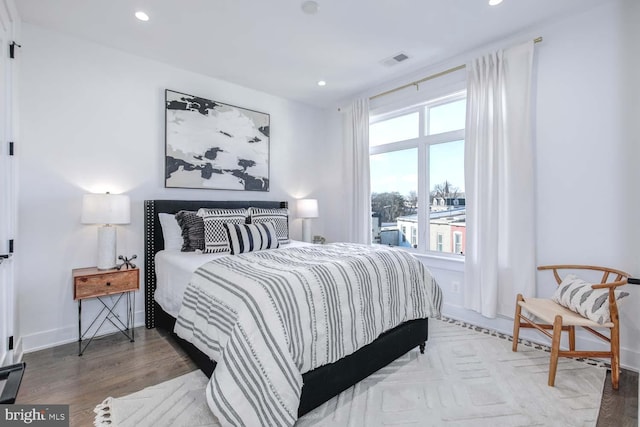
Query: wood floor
112, 366
619, 408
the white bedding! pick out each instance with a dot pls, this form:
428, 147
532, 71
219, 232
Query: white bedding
266, 317
174, 270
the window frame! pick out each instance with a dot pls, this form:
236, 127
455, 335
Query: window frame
423, 142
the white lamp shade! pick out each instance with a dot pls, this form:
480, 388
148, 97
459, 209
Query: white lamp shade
307, 208
106, 209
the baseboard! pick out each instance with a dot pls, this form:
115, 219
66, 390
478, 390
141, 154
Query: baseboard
66, 335
629, 358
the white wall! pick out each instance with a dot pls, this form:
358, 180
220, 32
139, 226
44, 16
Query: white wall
587, 149
92, 120
586, 139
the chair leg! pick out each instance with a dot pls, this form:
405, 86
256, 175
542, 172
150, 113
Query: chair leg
516, 323
555, 348
615, 357
572, 338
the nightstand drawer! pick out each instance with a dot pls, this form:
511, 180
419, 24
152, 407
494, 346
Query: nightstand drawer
90, 286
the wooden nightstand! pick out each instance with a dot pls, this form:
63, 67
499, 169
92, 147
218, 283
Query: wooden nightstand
93, 283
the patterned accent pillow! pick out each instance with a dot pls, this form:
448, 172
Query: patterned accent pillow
192, 231
279, 217
578, 296
251, 237
215, 236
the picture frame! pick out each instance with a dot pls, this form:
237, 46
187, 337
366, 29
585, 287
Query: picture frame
213, 145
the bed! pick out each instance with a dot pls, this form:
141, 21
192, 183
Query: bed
321, 383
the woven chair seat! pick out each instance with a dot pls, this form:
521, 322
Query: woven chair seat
547, 310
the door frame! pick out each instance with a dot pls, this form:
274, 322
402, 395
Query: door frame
9, 31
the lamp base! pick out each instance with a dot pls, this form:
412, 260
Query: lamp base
106, 247
306, 230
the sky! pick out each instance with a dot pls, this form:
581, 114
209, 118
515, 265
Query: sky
398, 170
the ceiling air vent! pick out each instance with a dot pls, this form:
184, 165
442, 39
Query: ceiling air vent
396, 59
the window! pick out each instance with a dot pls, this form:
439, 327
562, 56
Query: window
457, 243
396, 170
446, 117
417, 175
395, 129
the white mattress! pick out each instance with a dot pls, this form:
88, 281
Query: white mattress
174, 270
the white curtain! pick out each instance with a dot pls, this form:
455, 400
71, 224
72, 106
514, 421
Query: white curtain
357, 182
499, 182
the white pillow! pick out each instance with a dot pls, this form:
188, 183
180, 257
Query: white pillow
171, 231
578, 296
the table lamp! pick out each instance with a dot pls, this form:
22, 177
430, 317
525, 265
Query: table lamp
107, 210
307, 209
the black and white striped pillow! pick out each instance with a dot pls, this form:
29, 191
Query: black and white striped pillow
278, 216
251, 237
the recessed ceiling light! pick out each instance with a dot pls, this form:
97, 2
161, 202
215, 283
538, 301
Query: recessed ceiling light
310, 7
142, 16
494, 2
322, 83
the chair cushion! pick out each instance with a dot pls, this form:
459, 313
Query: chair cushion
578, 296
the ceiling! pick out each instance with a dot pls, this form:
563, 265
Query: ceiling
272, 46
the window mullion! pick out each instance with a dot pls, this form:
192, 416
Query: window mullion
394, 146
454, 135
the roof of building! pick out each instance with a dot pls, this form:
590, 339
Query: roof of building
453, 212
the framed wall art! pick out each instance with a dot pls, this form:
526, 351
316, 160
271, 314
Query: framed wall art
211, 145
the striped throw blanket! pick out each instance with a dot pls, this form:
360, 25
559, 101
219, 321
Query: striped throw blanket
266, 317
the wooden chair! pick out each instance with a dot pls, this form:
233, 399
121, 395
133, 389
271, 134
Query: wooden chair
558, 318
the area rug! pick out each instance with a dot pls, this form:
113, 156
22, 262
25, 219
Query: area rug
468, 376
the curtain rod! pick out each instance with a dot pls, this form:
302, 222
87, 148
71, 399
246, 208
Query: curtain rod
431, 77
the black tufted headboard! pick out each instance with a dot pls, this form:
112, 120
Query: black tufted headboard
154, 241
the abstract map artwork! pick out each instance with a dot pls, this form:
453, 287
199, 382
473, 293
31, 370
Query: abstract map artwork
211, 145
